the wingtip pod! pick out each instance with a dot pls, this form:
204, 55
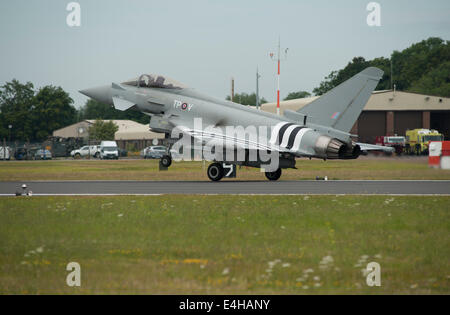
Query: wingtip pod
373, 72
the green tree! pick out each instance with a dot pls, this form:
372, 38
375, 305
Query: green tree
33, 116
96, 110
296, 95
101, 130
52, 109
246, 99
16, 106
417, 60
435, 82
413, 68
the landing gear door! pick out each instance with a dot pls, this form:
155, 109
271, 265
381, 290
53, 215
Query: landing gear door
160, 124
229, 170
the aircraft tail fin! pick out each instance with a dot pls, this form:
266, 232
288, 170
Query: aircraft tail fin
340, 107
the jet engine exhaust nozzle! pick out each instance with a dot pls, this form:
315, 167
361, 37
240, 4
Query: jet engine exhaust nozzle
336, 149
352, 152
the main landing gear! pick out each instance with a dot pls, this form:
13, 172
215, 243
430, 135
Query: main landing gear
216, 171
166, 160
273, 176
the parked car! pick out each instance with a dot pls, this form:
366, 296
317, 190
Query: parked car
5, 153
22, 154
42, 154
109, 150
154, 152
93, 150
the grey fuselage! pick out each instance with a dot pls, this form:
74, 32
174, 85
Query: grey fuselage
291, 134
320, 129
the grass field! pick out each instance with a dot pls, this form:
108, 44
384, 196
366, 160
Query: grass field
362, 168
225, 244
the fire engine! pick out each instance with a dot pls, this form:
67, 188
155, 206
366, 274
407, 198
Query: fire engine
397, 142
418, 140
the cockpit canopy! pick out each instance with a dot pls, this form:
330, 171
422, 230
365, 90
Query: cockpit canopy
155, 81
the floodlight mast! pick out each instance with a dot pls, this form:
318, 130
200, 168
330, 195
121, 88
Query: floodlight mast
278, 73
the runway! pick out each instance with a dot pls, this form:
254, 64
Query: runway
365, 187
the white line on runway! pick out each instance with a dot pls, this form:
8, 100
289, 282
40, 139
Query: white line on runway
234, 181
230, 194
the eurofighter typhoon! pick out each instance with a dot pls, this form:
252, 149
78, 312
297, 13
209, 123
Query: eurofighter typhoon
197, 126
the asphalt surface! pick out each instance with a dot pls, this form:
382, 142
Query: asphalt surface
393, 187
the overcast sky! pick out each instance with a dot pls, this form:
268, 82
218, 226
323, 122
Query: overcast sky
204, 43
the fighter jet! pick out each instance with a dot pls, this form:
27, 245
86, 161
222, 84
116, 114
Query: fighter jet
260, 139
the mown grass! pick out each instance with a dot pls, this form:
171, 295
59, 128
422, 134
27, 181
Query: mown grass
363, 168
225, 244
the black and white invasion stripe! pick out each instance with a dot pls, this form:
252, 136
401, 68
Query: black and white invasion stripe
288, 135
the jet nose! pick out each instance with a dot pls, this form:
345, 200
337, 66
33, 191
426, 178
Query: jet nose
100, 93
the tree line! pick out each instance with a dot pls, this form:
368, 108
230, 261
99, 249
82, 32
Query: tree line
33, 114
423, 68
29, 114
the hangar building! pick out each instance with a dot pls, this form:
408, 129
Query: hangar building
390, 113
130, 133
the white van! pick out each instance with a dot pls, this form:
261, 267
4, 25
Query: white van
109, 150
5, 153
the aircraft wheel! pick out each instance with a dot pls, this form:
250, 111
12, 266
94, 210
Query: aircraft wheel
272, 176
166, 161
215, 172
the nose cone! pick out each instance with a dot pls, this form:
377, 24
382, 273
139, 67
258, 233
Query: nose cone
101, 94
